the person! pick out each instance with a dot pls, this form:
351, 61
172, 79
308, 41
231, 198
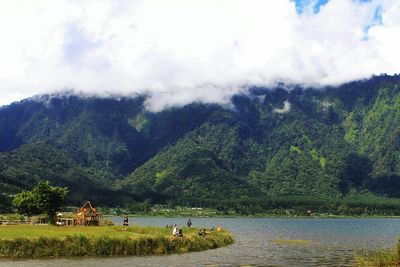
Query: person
189, 223
180, 234
203, 232
126, 221
175, 230
200, 232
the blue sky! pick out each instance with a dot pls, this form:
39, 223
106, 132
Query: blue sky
300, 4
317, 4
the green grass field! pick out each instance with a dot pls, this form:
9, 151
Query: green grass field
35, 231
35, 241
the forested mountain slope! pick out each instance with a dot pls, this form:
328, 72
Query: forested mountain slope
287, 140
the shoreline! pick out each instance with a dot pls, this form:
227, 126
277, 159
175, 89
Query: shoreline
266, 216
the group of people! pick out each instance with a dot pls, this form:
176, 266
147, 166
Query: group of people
203, 232
178, 231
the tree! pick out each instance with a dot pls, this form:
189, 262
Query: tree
42, 199
356, 170
25, 204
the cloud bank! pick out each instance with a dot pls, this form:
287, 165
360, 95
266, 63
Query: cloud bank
181, 51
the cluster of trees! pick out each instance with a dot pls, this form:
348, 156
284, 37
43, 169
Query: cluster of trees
356, 205
43, 199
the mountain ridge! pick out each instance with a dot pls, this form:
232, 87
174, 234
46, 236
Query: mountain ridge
327, 142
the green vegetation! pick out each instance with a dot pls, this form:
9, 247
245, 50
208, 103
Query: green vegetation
336, 151
353, 205
294, 242
51, 241
164, 211
43, 199
380, 258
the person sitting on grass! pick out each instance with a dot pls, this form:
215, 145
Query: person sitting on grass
203, 232
180, 233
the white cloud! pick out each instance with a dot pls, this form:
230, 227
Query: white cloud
284, 109
182, 51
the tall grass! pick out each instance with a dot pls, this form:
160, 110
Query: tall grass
131, 241
380, 258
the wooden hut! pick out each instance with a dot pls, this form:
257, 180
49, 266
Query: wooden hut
88, 215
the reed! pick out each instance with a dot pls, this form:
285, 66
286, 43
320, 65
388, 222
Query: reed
50, 241
380, 258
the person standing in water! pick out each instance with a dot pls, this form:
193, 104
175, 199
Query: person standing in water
189, 223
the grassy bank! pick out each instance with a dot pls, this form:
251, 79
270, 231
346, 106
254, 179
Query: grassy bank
380, 258
27, 241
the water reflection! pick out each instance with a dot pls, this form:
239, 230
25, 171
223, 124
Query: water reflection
330, 242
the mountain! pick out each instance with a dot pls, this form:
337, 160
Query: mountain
271, 143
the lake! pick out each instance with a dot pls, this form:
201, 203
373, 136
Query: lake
260, 242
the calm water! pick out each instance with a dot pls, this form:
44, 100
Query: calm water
333, 242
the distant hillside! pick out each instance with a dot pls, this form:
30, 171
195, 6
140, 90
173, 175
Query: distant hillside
289, 141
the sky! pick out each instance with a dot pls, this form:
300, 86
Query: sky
180, 51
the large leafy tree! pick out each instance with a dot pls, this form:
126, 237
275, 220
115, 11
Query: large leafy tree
44, 198
25, 204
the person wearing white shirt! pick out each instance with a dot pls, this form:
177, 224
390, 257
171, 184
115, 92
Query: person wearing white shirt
174, 232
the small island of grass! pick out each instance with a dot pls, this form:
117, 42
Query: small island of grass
34, 241
84, 237
295, 242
